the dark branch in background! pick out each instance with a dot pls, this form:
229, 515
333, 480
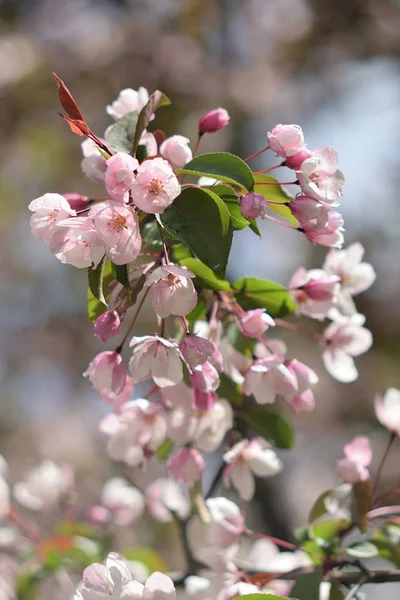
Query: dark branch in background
216, 482
192, 565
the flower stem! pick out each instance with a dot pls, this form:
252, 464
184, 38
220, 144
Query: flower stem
280, 222
382, 463
256, 154
269, 169
135, 316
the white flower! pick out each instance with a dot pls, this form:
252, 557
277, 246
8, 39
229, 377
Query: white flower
387, 410
127, 101
267, 378
158, 357
176, 150
165, 498
125, 502
44, 486
48, 211
172, 291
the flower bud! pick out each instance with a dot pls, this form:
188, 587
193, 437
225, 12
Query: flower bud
204, 401
186, 465
196, 350
214, 121
294, 162
286, 140
253, 205
176, 150
76, 201
205, 378
107, 371
107, 325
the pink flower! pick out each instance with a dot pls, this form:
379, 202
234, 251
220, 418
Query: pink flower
196, 350
93, 164
294, 162
204, 401
315, 292
172, 290
176, 150
267, 378
107, 371
117, 400
136, 432
186, 465
124, 502
157, 357
45, 486
76, 201
148, 140
256, 322
48, 211
107, 325
253, 205
309, 212
118, 228
77, 243
355, 276
205, 378
127, 101
306, 378
227, 522
246, 459
213, 121
342, 341
286, 140
329, 235
319, 176
352, 469
120, 176
155, 186
165, 498
387, 410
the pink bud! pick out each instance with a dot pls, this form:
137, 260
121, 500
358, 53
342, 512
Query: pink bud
203, 401
107, 371
98, 515
253, 205
256, 322
294, 162
359, 450
76, 201
186, 465
196, 350
214, 121
205, 378
286, 140
107, 325
323, 289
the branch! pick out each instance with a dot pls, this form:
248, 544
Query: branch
192, 565
353, 577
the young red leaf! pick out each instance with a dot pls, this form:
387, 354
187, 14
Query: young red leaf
67, 101
77, 126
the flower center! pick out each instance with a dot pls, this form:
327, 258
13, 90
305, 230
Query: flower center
315, 178
156, 186
173, 279
118, 223
53, 214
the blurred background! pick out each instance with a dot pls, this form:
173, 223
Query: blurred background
331, 66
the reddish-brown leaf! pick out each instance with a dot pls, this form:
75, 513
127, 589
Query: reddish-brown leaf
156, 100
77, 126
67, 101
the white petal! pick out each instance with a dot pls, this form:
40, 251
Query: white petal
340, 365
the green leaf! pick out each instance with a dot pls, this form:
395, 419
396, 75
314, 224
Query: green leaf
149, 557
301, 533
259, 293
165, 450
362, 550
275, 193
271, 427
388, 550
205, 277
121, 135
228, 195
362, 494
307, 586
327, 531
156, 100
141, 153
222, 166
121, 275
315, 552
319, 508
99, 280
180, 252
335, 592
201, 220
229, 390
198, 313
239, 342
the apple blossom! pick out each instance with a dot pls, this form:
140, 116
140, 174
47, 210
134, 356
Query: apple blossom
155, 186
186, 465
256, 322
246, 459
387, 410
355, 276
342, 341
352, 469
227, 522
196, 350
296, 160
213, 121
268, 377
127, 101
117, 226
176, 150
107, 371
253, 205
319, 176
303, 400
166, 498
148, 140
204, 401
124, 502
137, 431
93, 164
156, 357
119, 175
77, 243
44, 486
172, 290
107, 325
76, 201
309, 212
330, 235
315, 292
205, 377
116, 400
286, 140
48, 211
